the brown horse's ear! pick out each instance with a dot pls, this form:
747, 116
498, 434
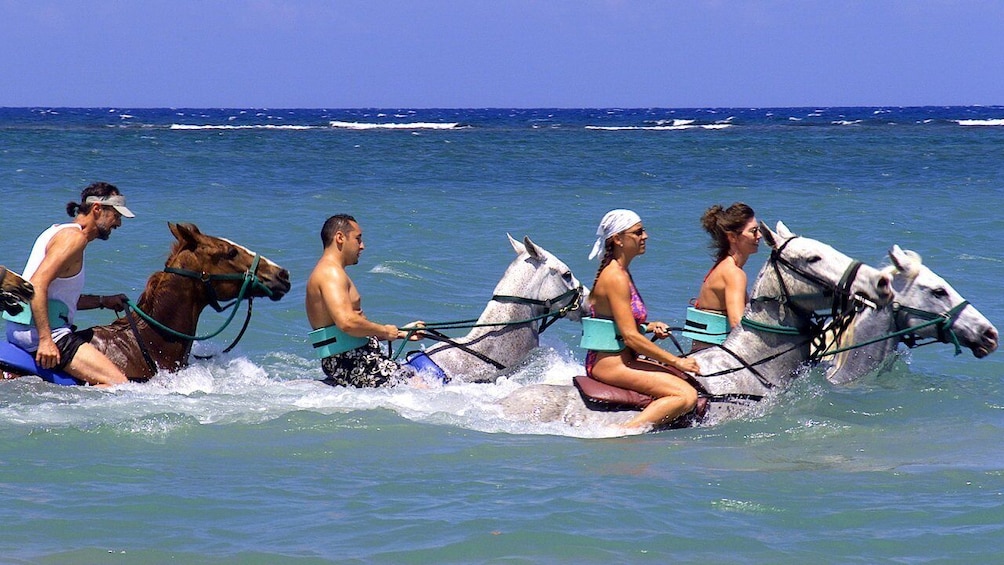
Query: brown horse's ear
186, 234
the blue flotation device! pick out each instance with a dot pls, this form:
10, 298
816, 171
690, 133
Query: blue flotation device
600, 334
17, 360
330, 340
421, 362
709, 327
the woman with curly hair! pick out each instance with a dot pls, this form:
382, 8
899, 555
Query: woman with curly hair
734, 237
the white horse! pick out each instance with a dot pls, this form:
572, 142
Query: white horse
925, 307
536, 290
761, 356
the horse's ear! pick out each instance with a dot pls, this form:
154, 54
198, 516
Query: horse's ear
769, 236
186, 234
517, 246
532, 248
783, 231
903, 260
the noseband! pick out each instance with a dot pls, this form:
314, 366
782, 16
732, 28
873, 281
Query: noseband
943, 322
843, 303
573, 295
250, 283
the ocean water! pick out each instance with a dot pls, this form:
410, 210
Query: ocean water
245, 458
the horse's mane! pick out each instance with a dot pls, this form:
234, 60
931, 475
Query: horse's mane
175, 249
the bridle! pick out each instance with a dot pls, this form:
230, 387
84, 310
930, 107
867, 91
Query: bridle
250, 282
909, 335
843, 303
552, 314
943, 323
842, 307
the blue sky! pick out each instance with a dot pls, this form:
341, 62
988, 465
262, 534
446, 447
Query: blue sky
500, 53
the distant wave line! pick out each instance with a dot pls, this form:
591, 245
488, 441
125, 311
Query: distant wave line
413, 125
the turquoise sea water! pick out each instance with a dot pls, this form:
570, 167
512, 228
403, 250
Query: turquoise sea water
246, 459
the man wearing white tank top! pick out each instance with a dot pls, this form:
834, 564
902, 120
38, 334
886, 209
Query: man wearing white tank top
56, 269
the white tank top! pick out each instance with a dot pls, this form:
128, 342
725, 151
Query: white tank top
66, 290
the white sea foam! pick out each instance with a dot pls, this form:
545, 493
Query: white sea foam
395, 268
659, 128
846, 122
970, 257
228, 390
674, 122
992, 122
409, 126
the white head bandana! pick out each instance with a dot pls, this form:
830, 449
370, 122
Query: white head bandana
614, 222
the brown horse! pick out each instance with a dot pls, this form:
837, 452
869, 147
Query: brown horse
14, 290
201, 270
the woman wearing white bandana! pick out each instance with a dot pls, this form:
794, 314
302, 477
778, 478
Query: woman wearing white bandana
621, 237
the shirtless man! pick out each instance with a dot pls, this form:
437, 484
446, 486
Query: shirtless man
333, 300
56, 269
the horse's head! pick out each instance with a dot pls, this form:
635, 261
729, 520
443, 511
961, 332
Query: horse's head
228, 269
543, 281
810, 275
926, 302
13, 291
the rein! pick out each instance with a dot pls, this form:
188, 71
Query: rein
547, 318
250, 283
944, 323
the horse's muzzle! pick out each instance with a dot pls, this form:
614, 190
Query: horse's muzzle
988, 343
884, 292
278, 283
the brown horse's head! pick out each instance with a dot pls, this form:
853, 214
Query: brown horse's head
13, 291
223, 263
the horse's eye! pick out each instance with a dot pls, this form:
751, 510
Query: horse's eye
232, 253
567, 276
940, 292
814, 259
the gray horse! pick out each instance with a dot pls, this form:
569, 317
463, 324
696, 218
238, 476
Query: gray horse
925, 307
536, 289
761, 356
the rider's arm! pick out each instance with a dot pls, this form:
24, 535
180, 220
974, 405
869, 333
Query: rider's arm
339, 305
619, 298
117, 302
60, 251
735, 295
